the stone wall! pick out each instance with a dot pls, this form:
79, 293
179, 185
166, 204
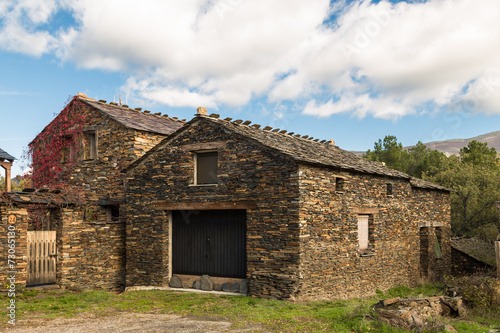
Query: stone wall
463, 264
332, 264
431, 209
17, 219
246, 172
90, 253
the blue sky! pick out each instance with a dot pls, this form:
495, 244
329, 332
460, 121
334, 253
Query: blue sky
352, 71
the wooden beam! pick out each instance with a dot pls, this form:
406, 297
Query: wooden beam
497, 251
164, 205
364, 210
7, 166
204, 146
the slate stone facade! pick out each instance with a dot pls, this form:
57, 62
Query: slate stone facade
91, 239
302, 233
302, 199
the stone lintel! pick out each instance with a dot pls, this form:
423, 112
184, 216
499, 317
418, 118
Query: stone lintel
250, 204
430, 224
364, 210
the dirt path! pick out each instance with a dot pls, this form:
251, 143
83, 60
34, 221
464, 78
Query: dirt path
129, 322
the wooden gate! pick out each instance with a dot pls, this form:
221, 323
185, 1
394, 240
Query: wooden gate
41, 257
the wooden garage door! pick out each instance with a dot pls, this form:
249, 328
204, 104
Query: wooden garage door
209, 242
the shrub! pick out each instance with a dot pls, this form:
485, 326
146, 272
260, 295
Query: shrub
478, 292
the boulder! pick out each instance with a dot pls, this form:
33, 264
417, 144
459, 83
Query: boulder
175, 282
206, 283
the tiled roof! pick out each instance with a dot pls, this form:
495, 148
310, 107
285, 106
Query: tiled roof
304, 149
475, 248
135, 118
6, 156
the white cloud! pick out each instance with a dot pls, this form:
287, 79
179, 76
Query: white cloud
383, 60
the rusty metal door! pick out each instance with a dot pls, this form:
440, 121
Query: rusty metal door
41, 257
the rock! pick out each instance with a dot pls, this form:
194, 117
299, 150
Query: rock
217, 286
449, 328
206, 283
235, 288
390, 301
175, 282
445, 310
196, 284
407, 317
417, 320
226, 286
243, 287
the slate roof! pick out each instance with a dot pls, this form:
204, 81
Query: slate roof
41, 197
135, 118
417, 182
6, 156
475, 248
304, 149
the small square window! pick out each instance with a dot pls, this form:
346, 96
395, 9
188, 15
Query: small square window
206, 168
339, 184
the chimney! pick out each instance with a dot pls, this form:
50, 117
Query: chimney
201, 111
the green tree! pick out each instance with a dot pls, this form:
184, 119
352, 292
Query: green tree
474, 176
424, 160
389, 151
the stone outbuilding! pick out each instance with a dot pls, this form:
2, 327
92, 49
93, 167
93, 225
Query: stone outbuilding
296, 217
472, 255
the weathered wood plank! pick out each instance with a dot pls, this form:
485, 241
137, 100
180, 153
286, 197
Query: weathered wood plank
204, 146
41, 257
249, 204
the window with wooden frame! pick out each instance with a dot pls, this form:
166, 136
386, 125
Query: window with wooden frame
90, 145
363, 231
206, 166
67, 150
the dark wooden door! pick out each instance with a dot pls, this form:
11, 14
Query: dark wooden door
211, 242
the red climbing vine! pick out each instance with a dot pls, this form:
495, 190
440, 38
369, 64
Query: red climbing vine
57, 148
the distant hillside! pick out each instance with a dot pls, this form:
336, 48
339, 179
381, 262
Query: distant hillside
453, 146
450, 147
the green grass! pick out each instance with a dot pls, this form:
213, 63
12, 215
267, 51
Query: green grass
277, 316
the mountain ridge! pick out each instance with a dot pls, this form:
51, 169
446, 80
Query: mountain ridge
453, 146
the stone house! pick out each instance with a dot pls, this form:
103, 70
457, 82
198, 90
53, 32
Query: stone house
6, 161
295, 217
88, 144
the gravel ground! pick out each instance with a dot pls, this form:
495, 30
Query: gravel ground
129, 322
